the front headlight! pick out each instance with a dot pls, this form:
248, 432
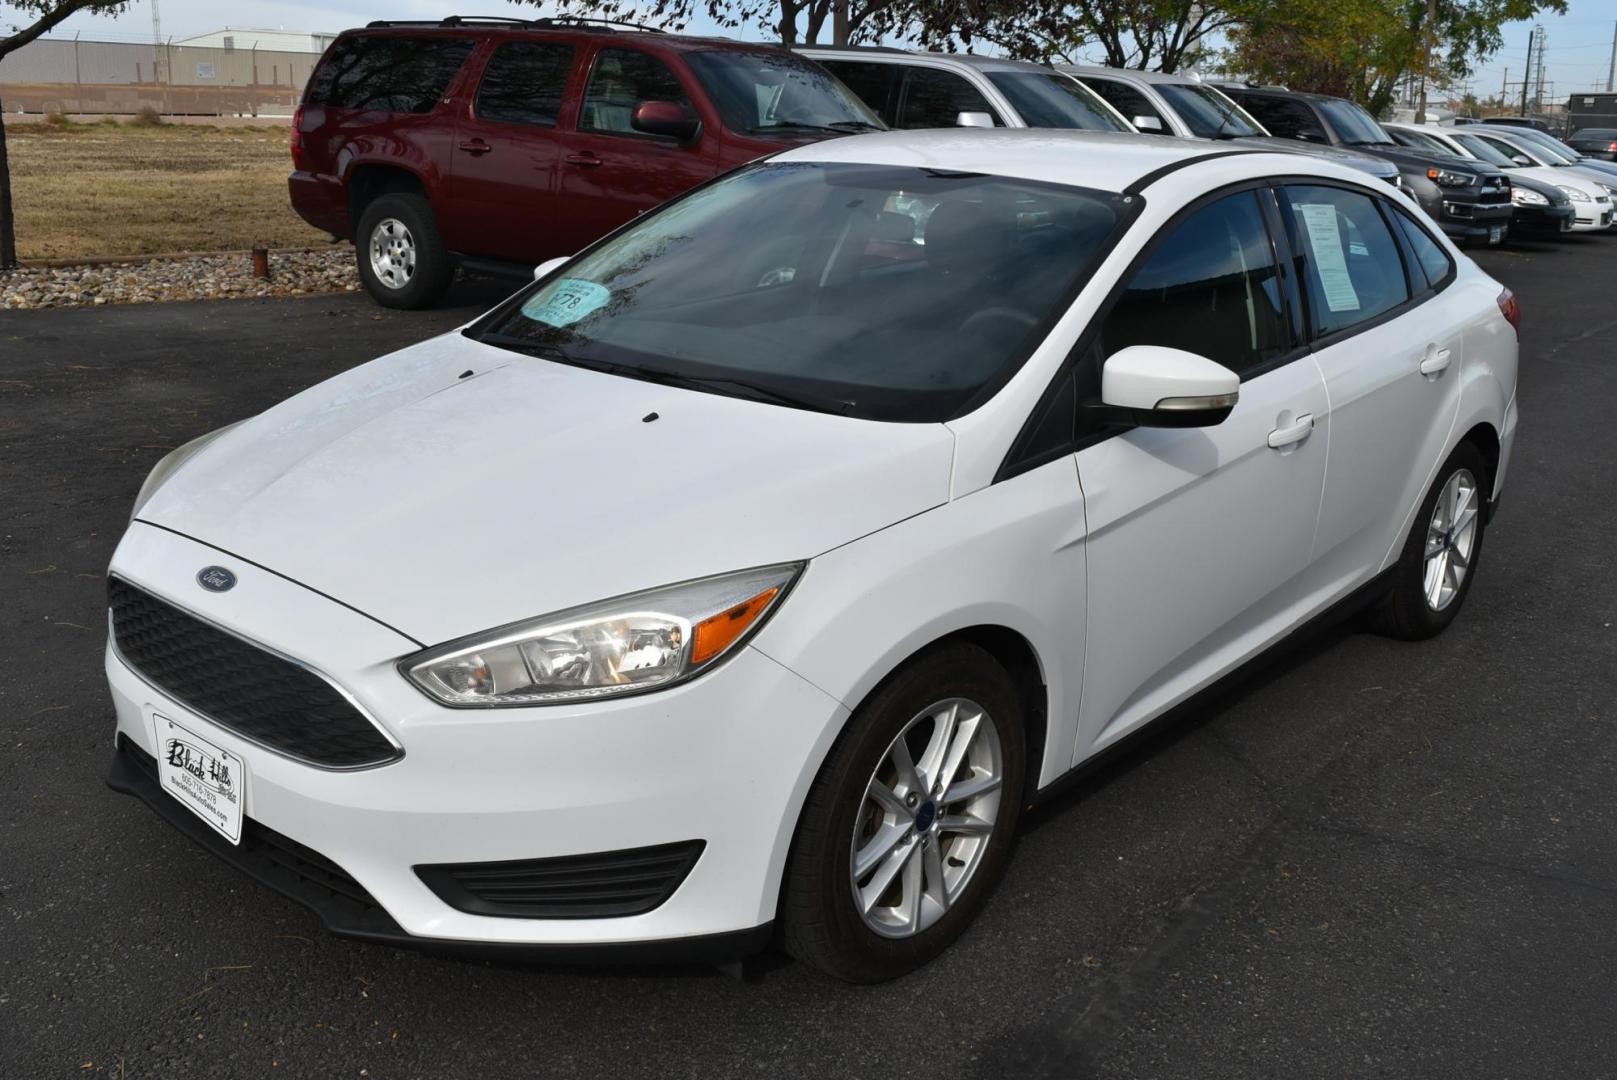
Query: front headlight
167, 467
1573, 193
1522, 197
640, 642
1451, 179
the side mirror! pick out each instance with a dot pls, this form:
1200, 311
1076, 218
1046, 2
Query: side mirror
1151, 125
973, 119
1310, 135
667, 118
543, 269
1521, 159
1163, 387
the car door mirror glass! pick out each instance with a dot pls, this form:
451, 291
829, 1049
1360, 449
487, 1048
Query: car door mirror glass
1166, 387
665, 118
544, 269
1521, 159
973, 119
1148, 124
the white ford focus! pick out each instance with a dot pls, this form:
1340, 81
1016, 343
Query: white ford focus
748, 574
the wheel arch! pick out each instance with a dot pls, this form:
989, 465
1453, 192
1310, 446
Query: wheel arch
1485, 437
368, 181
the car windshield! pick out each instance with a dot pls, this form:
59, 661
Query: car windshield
1208, 113
878, 292
1353, 124
1484, 150
1049, 100
759, 93
1419, 140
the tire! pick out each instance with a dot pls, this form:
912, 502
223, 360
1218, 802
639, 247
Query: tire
821, 923
398, 237
1409, 610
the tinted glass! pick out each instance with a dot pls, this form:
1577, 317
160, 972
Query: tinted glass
875, 291
525, 82
1285, 119
1511, 150
620, 80
1207, 112
1209, 288
934, 98
758, 93
1127, 100
1353, 125
1435, 264
873, 83
1418, 141
388, 74
1483, 150
1053, 101
1351, 265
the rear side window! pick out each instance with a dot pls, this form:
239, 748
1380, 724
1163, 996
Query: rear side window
1434, 263
1286, 119
1053, 101
934, 99
525, 82
1352, 268
873, 83
622, 79
1211, 288
1127, 100
388, 74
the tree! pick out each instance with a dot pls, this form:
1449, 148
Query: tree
47, 14
792, 21
1161, 35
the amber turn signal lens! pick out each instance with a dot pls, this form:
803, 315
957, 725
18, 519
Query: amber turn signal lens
713, 635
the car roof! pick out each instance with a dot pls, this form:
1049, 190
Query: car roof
1103, 160
1136, 75
461, 27
981, 63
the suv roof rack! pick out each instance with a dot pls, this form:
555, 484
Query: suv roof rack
853, 48
576, 22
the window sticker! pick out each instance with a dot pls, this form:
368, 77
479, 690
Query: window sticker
1329, 259
566, 302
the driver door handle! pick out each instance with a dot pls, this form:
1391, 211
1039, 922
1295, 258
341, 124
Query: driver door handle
1296, 433
586, 158
1436, 363
475, 147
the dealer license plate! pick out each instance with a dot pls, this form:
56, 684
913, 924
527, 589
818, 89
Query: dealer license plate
210, 781
1496, 233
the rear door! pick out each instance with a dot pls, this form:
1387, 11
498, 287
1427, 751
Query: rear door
609, 171
507, 149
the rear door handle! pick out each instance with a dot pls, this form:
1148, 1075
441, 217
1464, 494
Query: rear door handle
1436, 363
586, 159
1296, 433
475, 146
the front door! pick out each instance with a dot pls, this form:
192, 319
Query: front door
1199, 537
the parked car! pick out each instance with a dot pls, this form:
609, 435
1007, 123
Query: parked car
1516, 121
1162, 104
1584, 176
1543, 197
1598, 143
755, 568
501, 142
1552, 151
1470, 200
930, 90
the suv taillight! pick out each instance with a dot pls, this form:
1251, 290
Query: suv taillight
1511, 310
297, 139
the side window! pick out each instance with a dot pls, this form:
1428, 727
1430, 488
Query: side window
1211, 287
934, 98
1285, 119
1126, 100
620, 80
1434, 262
525, 82
1351, 266
388, 74
871, 83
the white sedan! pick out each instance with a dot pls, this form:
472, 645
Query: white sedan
747, 575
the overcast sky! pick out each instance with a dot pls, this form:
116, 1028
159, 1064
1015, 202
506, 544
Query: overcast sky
1578, 53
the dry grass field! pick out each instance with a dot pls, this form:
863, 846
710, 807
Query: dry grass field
127, 189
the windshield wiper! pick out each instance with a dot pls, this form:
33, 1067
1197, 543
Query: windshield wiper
748, 389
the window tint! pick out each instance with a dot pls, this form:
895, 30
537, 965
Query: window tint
1207, 112
1126, 100
620, 80
1418, 141
1483, 150
525, 82
759, 92
1353, 125
1434, 263
1053, 101
934, 98
1287, 119
1352, 269
871, 82
1210, 288
388, 74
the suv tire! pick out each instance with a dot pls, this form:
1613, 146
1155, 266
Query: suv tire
400, 252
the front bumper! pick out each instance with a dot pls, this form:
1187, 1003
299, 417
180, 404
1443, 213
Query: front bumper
1467, 220
1591, 216
726, 759
1555, 219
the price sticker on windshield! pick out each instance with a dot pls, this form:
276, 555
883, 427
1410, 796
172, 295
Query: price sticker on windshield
566, 302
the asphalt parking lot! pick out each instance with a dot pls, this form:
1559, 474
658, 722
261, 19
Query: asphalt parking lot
1372, 859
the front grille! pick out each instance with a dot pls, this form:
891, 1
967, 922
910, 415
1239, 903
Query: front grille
240, 686
595, 886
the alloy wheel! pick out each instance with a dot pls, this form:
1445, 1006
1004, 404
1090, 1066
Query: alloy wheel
1451, 539
393, 252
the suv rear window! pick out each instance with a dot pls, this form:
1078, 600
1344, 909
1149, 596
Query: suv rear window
388, 73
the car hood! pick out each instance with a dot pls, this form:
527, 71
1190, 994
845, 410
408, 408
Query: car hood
445, 505
1365, 162
1426, 159
1544, 181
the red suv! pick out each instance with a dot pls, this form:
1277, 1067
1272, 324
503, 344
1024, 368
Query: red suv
497, 143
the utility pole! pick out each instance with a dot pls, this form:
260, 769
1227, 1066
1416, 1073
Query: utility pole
1426, 62
157, 38
1611, 68
1532, 39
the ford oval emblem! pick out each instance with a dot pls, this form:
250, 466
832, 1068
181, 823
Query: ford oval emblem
216, 579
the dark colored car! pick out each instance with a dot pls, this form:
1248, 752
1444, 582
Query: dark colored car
1600, 143
1468, 198
1540, 206
497, 144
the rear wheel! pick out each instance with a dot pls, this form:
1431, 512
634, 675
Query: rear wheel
909, 825
402, 259
1439, 560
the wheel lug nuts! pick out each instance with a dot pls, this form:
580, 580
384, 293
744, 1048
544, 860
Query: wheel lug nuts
911, 799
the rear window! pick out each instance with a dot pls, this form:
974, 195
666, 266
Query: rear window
388, 73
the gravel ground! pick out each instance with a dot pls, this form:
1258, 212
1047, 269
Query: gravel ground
203, 277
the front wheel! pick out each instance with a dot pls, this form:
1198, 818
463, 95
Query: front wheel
909, 825
1439, 561
402, 259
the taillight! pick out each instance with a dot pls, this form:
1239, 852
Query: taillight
1612, 149
1511, 310
297, 139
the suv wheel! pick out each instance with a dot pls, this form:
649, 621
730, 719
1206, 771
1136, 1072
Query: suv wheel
401, 254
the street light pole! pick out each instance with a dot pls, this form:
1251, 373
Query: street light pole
1426, 63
